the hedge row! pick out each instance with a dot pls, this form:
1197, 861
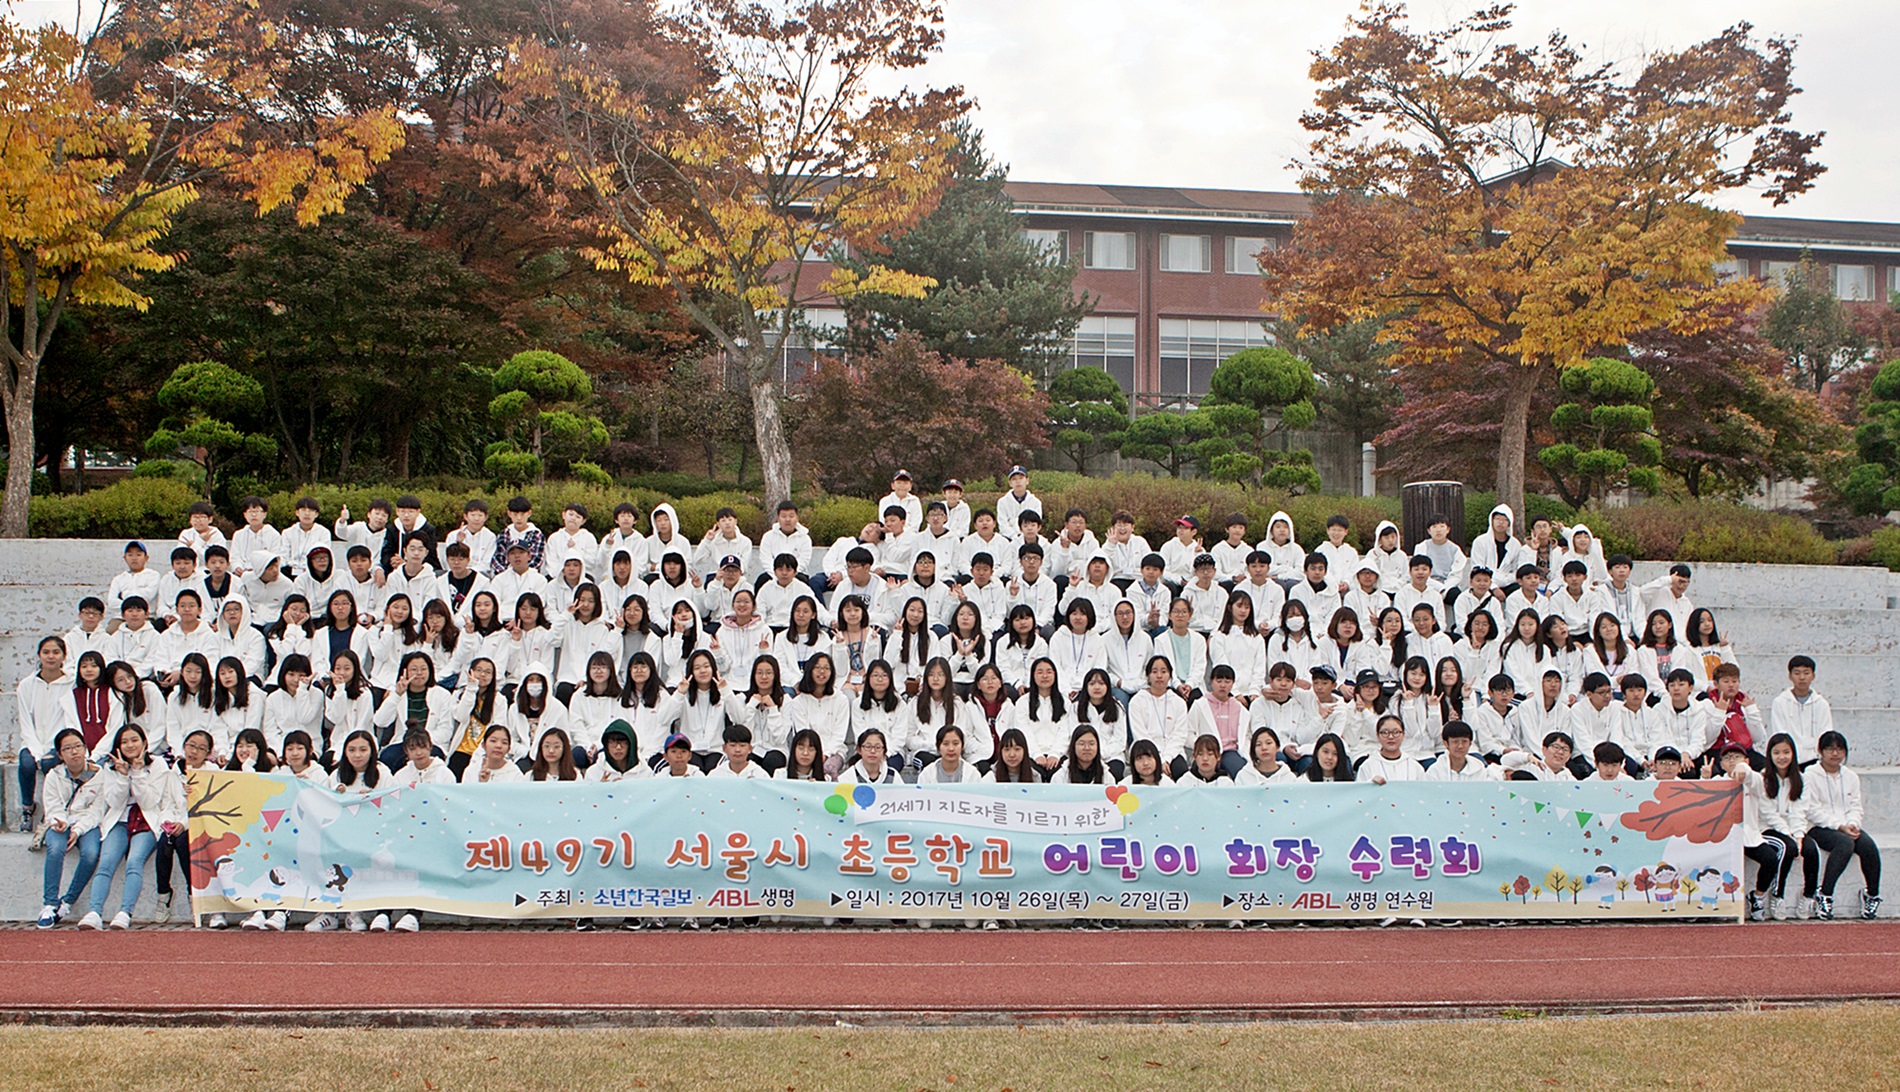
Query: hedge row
1686, 530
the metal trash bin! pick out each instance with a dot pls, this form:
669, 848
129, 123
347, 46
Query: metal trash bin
1421, 502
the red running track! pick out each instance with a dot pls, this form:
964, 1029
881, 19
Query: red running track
1147, 973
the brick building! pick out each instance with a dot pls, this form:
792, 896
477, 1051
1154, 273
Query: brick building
1177, 287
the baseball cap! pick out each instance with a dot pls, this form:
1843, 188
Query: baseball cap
677, 740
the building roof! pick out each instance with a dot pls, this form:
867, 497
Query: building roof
1179, 202
1158, 202
1820, 234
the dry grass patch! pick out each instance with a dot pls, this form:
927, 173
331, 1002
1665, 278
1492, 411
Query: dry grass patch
1854, 1044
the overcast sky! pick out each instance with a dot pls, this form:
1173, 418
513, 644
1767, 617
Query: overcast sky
1209, 92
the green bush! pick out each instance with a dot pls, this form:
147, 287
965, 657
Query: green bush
1883, 549
1154, 502
134, 507
1708, 530
676, 484
834, 517
591, 474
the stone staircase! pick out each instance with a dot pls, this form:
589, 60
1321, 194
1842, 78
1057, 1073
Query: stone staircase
1848, 619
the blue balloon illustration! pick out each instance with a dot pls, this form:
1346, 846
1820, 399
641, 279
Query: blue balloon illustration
864, 795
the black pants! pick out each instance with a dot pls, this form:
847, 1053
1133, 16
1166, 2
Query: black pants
1840, 849
169, 846
1775, 859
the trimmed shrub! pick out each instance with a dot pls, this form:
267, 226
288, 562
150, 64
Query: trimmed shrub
832, 517
135, 507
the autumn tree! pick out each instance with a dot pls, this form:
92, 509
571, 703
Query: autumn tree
730, 191
1522, 205
1727, 417
109, 131
906, 407
1811, 327
1088, 413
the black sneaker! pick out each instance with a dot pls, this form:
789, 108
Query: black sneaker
1869, 906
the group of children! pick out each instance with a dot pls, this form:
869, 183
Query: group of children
934, 647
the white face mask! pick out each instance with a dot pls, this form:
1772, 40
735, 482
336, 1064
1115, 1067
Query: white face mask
535, 689
1295, 624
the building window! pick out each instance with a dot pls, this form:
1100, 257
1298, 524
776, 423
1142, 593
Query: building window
1108, 249
1893, 278
1733, 268
1185, 253
1776, 273
818, 331
1192, 348
1243, 254
1107, 342
1854, 282
1053, 242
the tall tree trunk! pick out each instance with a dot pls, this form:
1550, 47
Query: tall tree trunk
79, 469
768, 429
19, 412
1515, 428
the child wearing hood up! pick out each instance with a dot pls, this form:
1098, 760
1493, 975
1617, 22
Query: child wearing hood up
1389, 557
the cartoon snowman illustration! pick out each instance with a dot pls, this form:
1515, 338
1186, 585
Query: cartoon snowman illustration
1604, 881
1665, 880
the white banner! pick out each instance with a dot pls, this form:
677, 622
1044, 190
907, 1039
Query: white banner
990, 812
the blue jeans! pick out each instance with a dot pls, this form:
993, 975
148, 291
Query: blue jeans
120, 847
88, 849
30, 765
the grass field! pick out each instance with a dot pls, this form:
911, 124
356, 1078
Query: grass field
1856, 1046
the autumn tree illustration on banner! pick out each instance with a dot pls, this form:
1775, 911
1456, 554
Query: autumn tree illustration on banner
1700, 811
221, 807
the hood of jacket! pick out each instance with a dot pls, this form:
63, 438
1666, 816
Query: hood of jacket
1510, 518
672, 515
1384, 525
244, 614
1281, 517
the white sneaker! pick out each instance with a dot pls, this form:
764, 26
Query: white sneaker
215, 921
277, 921
1804, 908
91, 921
1780, 910
257, 921
408, 924
322, 923
690, 923
379, 924
354, 922
122, 920
65, 910
162, 912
